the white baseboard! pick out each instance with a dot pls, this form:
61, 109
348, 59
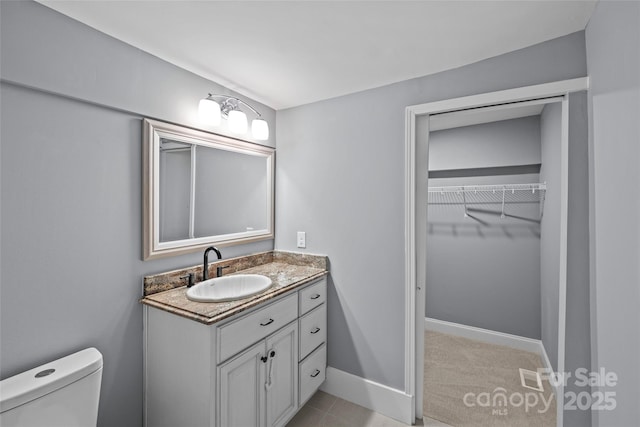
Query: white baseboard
491, 337
484, 335
380, 398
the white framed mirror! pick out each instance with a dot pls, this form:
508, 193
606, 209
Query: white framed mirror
202, 189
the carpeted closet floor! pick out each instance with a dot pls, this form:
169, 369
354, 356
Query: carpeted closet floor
471, 383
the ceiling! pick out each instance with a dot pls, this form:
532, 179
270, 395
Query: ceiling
289, 53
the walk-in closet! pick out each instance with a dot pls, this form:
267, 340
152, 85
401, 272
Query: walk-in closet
493, 258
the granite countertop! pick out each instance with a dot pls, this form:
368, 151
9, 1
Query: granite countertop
285, 273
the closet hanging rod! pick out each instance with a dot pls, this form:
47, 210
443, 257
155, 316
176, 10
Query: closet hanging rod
533, 187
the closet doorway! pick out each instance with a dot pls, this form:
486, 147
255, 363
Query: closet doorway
463, 112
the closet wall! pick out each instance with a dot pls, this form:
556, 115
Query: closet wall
484, 270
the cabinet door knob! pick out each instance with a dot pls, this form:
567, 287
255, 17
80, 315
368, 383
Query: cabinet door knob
315, 330
315, 296
268, 322
315, 373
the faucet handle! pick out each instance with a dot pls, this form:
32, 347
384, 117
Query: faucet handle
219, 270
189, 276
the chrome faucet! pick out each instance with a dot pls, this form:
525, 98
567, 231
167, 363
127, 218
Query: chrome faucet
205, 266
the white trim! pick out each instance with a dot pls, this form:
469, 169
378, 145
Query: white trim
562, 280
491, 337
410, 265
379, 398
484, 335
546, 90
421, 190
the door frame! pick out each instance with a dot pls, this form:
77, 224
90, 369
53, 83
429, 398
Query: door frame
416, 186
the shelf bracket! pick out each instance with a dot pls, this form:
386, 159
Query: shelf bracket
464, 201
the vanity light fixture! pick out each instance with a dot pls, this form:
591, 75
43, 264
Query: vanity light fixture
214, 107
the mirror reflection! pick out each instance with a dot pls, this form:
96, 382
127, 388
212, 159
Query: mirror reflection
229, 189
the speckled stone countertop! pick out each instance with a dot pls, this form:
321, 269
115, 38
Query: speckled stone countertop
287, 271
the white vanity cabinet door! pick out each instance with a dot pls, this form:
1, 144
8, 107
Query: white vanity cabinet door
242, 389
260, 386
281, 376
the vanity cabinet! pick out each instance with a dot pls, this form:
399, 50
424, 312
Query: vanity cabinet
256, 368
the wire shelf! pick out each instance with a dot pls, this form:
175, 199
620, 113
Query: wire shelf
500, 195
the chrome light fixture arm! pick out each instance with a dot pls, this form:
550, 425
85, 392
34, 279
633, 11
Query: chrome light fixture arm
230, 103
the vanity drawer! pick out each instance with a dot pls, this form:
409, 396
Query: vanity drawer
243, 332
312, 373
313, 296
313, 330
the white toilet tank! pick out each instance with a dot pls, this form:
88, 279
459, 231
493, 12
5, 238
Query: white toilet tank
62, 393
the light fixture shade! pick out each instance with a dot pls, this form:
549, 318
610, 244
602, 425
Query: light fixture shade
209, 112
260, 129
237, 121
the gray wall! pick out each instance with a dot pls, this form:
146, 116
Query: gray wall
550, 172
613, 54
484, 271
340, 178
497, 144
71, 180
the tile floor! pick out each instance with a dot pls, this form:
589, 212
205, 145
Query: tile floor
325, 410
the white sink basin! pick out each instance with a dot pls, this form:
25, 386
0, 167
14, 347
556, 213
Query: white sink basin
228, 288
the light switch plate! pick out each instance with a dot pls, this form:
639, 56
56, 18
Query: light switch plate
302, 239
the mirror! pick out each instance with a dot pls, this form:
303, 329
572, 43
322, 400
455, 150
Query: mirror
202, 189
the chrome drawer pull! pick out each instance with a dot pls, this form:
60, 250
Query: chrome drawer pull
316, 373
316, 330
315, 296
267, 323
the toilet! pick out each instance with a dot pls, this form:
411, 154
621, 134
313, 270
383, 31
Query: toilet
62, 393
